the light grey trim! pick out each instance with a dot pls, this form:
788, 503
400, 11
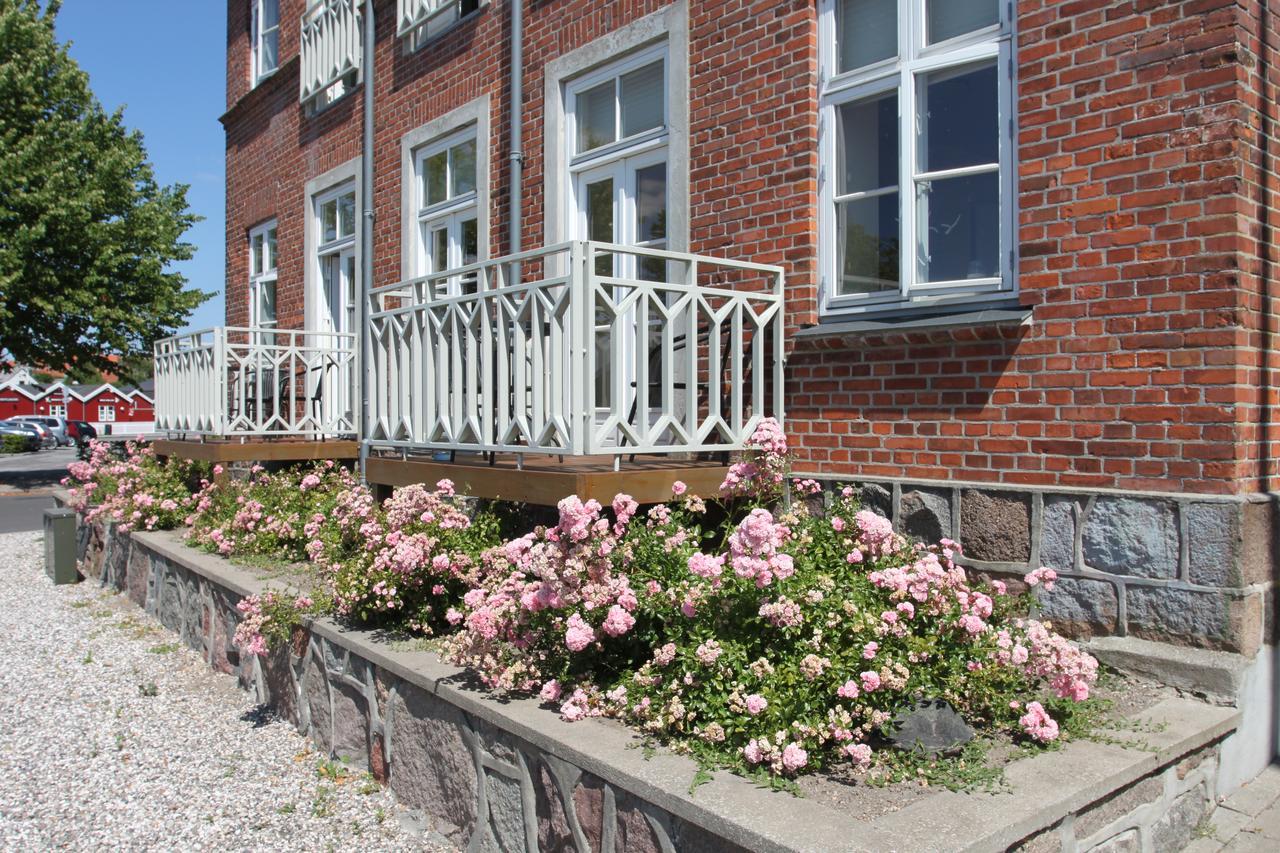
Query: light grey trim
348, 171
990, 317
473, 112
671, 23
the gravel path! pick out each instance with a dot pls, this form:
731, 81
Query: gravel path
113, 736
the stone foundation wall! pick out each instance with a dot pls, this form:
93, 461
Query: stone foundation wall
511, 776
1160, 812
1187, 569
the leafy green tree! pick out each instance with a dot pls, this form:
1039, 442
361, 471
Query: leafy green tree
87, 235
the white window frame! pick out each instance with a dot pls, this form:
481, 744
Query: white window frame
58, 410
257, 72
451, 212
914, 58
267, 275
341, 245
106, 412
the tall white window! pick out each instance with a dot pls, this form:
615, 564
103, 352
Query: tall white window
917, 152
618, 124
262, 276
265, 38
106, 412
448, 204
335, 216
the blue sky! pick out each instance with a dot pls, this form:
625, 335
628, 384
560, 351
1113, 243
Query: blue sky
165, 62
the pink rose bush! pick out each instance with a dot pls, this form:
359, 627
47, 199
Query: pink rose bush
132, 488
268, 619
772, 637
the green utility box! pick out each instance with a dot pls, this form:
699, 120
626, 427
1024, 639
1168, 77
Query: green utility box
60, 545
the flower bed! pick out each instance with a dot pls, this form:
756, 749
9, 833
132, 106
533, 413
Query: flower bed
771, 637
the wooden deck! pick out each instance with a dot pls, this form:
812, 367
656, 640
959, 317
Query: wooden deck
545, 480
258, 450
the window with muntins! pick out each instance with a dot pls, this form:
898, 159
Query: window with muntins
448, 205
266, 38
106, 412
917, 153
262, 276
336, 254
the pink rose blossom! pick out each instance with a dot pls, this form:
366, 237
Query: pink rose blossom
756, 703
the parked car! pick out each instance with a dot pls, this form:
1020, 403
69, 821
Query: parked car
55, 424
42, 432
31, 438
86, 430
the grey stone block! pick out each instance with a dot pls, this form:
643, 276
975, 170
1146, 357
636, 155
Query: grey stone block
1058, 534
506, 813
1173, 830
877, 498
1157, 612
1132, 536
432, 766
1213, 543
995, 526
1081, 607
1128, 841
926, 515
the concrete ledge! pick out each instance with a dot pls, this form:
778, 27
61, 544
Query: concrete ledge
347, 687
1217, 676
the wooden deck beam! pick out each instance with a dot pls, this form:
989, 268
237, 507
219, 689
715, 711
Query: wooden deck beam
546, 480
258, 450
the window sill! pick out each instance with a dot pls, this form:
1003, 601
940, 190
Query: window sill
1004, 316
414, 42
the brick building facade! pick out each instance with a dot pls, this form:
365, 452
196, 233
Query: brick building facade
1070, 369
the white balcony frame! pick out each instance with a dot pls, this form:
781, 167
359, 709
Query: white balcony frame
330, 47
511, 367
243, 381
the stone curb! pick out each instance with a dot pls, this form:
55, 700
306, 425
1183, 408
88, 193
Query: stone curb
1046, 788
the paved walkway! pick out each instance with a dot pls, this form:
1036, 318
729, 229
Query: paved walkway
1248, 822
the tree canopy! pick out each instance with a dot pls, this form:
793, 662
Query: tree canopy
87, 235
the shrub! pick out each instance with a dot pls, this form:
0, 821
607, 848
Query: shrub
268, 619
13, 444
136, 490
777, 641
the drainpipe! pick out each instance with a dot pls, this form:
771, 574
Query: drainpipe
517, 118
362, 355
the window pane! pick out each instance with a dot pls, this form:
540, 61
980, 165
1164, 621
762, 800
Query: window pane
959, 119
270, 262
347, 215
267, 303
470, 242
255, 254
867, 243
866, 32
329, 221
464, 168
960, 228
643, 93
947, 19
595, 115
651, 203
270, 14
270, 50
439, 249
867, 144
600, 220
435, 178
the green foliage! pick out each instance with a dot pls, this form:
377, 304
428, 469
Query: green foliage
13, 444
89, 235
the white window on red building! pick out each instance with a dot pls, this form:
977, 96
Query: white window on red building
448, 217
106, 412
58, 410
917, 153
335, 218
265, 44
262, 276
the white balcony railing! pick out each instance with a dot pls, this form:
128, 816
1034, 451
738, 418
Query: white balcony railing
426, 18
330, 46
267, 382
581, 348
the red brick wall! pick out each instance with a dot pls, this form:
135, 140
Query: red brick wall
1131, 221
1135, 226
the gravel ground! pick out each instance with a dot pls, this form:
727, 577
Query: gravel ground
113, 736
